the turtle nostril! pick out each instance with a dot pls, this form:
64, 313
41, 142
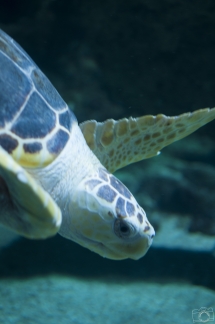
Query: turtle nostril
152, 236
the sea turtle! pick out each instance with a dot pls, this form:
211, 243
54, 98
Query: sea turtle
56, 175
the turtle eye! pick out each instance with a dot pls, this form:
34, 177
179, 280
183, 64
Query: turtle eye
123, 229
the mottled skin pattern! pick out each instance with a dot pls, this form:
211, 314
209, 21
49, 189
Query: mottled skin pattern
109, 208
114, 191
118, 143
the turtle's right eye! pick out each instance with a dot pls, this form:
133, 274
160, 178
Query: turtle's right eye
123, 229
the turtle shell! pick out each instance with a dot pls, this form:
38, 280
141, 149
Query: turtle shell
35, 122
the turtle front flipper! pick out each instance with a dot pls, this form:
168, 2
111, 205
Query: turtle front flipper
119, 143
25, 207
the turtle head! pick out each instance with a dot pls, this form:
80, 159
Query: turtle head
105, 218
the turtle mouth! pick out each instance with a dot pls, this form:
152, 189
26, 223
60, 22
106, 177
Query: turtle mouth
90, 242
98, 247
112, 252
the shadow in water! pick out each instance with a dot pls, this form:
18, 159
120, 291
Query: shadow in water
27, 258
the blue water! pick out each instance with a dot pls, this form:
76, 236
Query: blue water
117, 59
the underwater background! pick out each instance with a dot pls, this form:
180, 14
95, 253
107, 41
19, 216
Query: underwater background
115, 59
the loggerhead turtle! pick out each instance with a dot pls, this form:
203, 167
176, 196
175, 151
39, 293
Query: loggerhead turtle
56, 175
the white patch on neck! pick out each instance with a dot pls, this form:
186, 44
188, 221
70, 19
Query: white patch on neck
61, 178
